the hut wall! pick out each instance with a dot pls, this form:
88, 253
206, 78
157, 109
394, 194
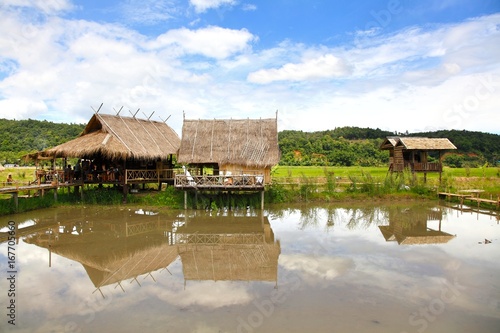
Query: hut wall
423, 156
242, 169
398, 159
391, 157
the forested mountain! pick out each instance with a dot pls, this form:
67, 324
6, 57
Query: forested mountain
342, 146
19, 137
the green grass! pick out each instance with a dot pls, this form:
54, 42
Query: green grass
290, 184
319, 171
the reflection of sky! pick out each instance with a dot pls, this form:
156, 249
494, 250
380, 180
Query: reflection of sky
343, 274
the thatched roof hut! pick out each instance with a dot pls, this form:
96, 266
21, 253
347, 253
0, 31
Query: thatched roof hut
117, 137
251, 143
417, 143
413, 153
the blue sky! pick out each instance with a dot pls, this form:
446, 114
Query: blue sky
396, 64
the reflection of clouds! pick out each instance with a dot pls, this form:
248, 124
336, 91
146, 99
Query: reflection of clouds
326, 268
354, 270
206, 293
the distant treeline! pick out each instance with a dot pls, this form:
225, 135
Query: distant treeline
342, 146
355, 146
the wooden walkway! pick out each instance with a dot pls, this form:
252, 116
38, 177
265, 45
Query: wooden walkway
471, 195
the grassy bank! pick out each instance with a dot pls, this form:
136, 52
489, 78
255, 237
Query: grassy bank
290, 184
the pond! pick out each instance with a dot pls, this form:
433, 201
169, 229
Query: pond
400, 267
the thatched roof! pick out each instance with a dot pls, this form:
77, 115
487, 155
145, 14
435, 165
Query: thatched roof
117, 137
248, 142
417, 143
389, 143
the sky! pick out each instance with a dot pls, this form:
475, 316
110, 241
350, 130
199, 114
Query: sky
397, 65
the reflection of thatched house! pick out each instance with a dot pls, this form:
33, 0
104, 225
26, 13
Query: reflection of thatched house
115, 266
409, 227
235, 145
412, 153
228, 248
108, 257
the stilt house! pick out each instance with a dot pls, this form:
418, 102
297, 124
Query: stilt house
413, 153
240, 151
119, 150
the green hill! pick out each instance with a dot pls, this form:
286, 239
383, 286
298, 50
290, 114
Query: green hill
342, 146
20, 137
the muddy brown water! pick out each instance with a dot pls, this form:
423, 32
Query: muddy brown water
405, 267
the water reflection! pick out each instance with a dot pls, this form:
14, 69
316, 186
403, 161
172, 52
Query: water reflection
336, 268
234, 248
408, 226
116, 246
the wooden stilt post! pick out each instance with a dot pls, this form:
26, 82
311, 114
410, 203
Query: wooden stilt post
55, 191
125, 192
15, 196
185, 199
262, 200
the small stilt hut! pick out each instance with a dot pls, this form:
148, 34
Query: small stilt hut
412, 153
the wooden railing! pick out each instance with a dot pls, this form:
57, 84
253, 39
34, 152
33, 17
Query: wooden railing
144, 175
417, 167
219, 181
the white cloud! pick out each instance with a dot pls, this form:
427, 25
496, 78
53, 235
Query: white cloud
149, 12
201, 6
57, 68
249, 7
47, 7
326, 66
214, 42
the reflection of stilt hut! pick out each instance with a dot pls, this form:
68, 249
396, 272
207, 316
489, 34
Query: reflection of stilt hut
228, 248
412, 153
409, 226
